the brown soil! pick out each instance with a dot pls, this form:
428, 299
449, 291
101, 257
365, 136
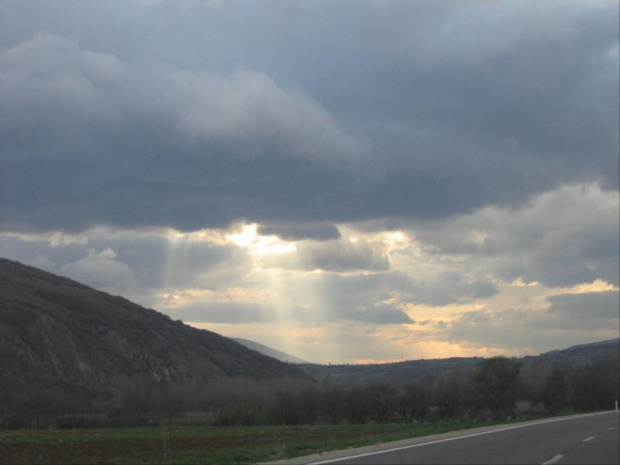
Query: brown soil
165, 450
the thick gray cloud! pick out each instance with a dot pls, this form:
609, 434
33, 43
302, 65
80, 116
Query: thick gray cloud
589, 310
279, 112
562, 238
118, 261
449, 287
100, 270
381, 315
252, 313
88, 139
344, 255
373, 295
571, 319
223, 312
300, 231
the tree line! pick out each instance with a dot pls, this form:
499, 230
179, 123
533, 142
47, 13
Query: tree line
498, 388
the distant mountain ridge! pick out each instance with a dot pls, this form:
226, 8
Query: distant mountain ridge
579, 355
576, 356
263, 349
56, 331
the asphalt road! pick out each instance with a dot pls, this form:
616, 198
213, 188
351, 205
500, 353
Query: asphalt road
583, 439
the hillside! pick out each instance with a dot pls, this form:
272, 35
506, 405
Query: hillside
263, 349
410, 369
579, 355
55, 331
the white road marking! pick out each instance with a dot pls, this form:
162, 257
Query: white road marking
612, 428
588, 439
553, 460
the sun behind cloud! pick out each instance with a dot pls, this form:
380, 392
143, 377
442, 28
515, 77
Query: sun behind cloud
258, 244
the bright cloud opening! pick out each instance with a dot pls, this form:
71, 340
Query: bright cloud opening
260, 245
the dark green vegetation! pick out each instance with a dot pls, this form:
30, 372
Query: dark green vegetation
76, 360
204, 445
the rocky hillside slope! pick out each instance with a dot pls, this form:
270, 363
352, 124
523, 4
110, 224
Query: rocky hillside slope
55, 331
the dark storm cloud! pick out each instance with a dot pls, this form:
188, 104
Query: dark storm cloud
89, 139
472, 103
196, 115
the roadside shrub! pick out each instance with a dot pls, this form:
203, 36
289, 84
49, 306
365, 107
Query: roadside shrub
539, 410
523, 409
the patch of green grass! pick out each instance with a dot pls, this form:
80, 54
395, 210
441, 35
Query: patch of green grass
28, 436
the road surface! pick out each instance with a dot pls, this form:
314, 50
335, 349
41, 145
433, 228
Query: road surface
578, 439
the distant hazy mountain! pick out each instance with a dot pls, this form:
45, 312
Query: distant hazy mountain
282, 356
55, 331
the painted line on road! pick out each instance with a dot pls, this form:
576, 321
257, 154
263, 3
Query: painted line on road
412, 446
588, 439
553, 460
611, 429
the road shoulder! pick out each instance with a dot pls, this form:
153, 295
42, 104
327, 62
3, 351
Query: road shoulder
337, 454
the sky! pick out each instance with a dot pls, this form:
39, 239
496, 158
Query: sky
348, 181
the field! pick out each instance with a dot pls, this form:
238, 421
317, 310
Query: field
199, 444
